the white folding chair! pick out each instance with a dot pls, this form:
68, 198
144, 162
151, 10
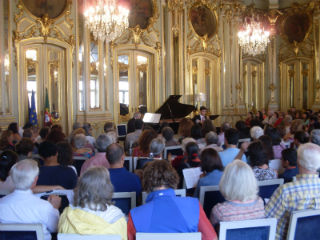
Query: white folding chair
249, 229
267, 187
130, 198
304, 224
23, 228
168, 236
209, 197
178, 192
65, 236
129, 159
170, 149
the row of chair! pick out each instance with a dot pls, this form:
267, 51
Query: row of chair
303, 225
132, 163
209, 195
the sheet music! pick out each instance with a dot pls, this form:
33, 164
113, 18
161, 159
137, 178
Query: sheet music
151, 117
191, 176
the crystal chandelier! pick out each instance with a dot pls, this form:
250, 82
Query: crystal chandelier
253, 38
105, 19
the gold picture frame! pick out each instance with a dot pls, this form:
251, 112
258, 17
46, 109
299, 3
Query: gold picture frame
39, 8
296, 25
203, 20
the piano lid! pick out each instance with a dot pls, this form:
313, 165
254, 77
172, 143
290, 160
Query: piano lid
172, 109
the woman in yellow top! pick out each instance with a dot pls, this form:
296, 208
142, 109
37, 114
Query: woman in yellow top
92, 212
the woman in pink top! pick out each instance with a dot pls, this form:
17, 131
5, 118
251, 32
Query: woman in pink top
239, 187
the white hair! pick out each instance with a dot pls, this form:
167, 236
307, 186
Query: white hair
113, 136
80, 141
238, 182
256, 132
157, 146
309, 156
103, 141
23, 173
212, 138
185, 141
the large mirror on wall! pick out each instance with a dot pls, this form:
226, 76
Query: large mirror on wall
45, 73
135, 79
297, 88
205, 82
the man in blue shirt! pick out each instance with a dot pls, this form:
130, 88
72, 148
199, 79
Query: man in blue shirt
231, 137
122, 180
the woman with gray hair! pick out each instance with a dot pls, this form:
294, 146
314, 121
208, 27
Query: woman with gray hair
157, 146
80, 146
99, 159
239, 187
92, 211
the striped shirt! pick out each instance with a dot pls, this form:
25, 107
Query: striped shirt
299, 195
236, 211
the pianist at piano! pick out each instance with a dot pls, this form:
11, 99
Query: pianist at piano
75, 77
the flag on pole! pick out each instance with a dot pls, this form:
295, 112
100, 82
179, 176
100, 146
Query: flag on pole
33, 119
47, 116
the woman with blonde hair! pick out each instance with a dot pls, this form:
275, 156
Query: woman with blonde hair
92, 211
239, 187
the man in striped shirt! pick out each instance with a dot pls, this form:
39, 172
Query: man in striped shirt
299, 195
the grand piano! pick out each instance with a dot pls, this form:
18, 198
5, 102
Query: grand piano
172, 111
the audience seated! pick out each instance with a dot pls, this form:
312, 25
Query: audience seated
212, 141
24, 148
121, 178
80, 147
300, 137
13, 127
184, 129
55, 136
22, 206
259, 162
168, 135
52, 173
256, 132
180, 159
99, 159
239, 187
207, 126
196, 134
212, 169
43, 133
163, 211
231, 140
6, 141
92, 211
65, 155
7, 159
289, 163
277, 146
266, 142
157, 146
143, 148
223, 128
302, 194
109, 126
88, 132
132, 138
315, 136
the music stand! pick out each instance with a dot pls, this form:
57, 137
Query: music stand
153, 118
